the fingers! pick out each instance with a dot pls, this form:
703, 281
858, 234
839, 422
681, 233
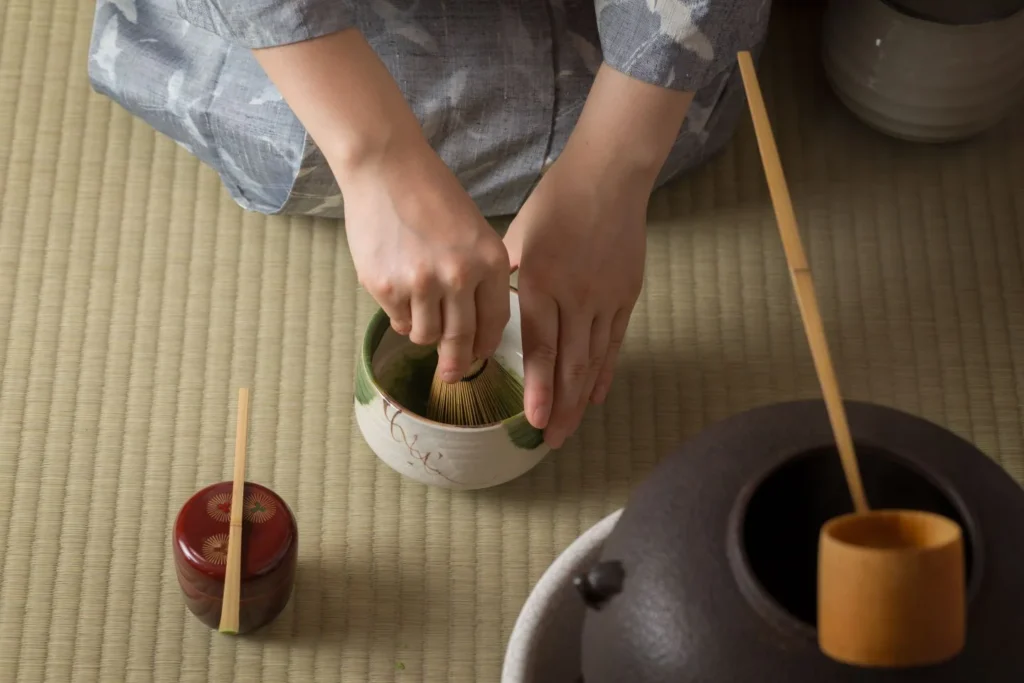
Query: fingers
540, 349
461, 306
400, 315
426, 316
572, 371
492, 314
617, 333
600, 334
455, 350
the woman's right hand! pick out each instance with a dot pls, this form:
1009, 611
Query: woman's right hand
419, 243
422, 249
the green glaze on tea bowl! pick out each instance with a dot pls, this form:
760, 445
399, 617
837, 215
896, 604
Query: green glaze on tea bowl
393, 378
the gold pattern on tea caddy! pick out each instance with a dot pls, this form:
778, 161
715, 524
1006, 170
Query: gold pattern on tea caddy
259, 507
215, 549
219, 507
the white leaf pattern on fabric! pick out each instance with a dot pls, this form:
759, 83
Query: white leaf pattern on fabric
236, 170
601, 5
331, 202
457, 85
679, 22
402, 24
218, 89
127, 8
417, 35
587, 51
180, 108
286, 152
174, 84
311, 158
696, 118
311, 152
385, 10
107, 52
432, 120
445, 103
480, 170
269, 94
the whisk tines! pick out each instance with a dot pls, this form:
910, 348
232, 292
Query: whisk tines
488, 393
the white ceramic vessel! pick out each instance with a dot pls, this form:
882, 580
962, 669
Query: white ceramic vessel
922, 80
392, 379
545, 641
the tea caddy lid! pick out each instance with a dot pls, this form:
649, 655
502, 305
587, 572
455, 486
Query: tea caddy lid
202, 526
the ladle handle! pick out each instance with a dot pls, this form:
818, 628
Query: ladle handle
803, 284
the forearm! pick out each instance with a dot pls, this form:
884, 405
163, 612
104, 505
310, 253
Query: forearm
628, 125
662, 53
344, 96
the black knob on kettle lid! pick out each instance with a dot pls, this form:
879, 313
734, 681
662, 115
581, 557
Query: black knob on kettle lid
602, 581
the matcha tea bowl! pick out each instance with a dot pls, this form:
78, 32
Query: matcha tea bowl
393, 378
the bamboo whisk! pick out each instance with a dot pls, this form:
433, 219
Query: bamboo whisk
488, 393
803, 284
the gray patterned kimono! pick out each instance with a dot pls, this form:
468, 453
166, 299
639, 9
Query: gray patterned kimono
496, 84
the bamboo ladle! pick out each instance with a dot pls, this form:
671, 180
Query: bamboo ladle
891, 588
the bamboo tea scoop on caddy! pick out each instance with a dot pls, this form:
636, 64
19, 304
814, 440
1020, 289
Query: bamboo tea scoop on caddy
891, 583
235, 548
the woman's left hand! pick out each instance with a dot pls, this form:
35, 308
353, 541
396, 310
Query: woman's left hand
579, 244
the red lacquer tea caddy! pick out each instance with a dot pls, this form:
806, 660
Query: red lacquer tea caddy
269, 554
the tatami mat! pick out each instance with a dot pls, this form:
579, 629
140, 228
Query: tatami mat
135, 298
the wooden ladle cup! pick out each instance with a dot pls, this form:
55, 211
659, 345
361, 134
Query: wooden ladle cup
891, 589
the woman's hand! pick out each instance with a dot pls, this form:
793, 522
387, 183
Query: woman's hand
419, 244
428, 257
579, 244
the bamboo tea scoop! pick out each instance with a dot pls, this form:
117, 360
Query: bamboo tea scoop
230, 606
891, 585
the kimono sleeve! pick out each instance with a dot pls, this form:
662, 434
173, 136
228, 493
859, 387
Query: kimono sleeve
678, 44
256, 24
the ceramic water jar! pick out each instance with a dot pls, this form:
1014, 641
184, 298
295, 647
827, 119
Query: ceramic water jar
710, 572
393, 378
926, 71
